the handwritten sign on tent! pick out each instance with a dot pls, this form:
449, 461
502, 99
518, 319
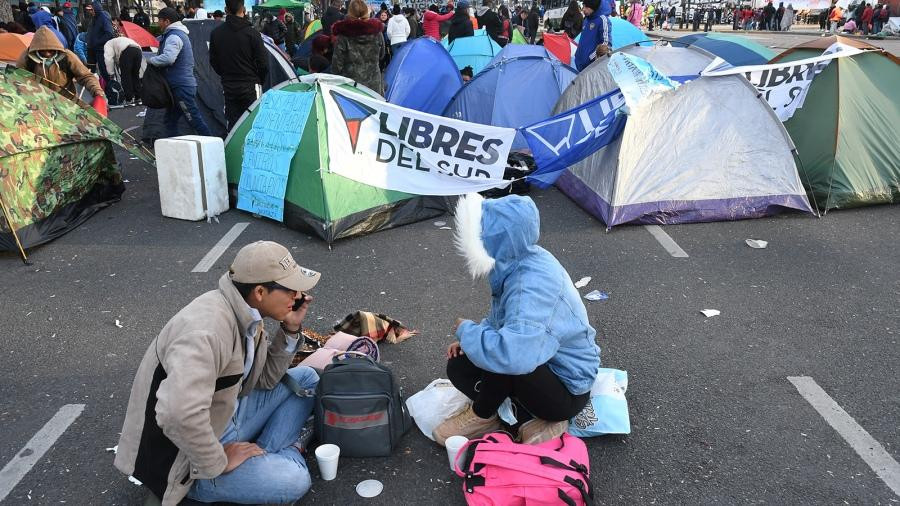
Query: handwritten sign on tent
269, 147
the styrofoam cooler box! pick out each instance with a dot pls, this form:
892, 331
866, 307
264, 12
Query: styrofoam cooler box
192, 181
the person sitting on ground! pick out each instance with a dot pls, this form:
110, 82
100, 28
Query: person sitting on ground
359, 47
210, 416
59, 68
536, 347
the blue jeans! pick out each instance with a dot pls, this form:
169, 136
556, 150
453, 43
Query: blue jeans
272, 419
185, 104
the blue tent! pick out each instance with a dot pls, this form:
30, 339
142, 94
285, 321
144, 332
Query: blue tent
422, 76
734, 49
512, 93
473, 52
446, 40
624, 34
517, 50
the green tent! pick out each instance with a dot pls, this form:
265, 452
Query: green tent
328, 205
847, 133
295, 7
517, 37
56, 161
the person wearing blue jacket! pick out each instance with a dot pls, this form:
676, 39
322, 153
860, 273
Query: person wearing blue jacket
99, 34
536, 346
596, 32
44, 18
176, 57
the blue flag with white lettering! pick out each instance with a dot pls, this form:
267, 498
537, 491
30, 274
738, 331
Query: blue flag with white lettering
572, 136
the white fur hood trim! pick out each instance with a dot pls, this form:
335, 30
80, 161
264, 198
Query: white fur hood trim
467, 236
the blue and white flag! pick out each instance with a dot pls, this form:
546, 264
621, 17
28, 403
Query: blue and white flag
637, 78
569, 137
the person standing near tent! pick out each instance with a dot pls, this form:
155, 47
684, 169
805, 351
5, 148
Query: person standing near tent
837, 14
779, 15
788, 20
332, 15
536, 347
292, 34
572, 20
412, 19
274, 28
490, 21
431, 23
124, 61
176, 56
533, 22
359, 47
596, 33
237, 54
44, 18
397, 29
208, 416
460, 24
867, 18
59, 69
100, 33
635, 13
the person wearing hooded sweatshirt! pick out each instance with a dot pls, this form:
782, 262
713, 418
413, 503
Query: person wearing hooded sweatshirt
44, 18
70, 22
237, 54
292, 34
58, 68
126, 63
397, 29
536, 346
176, 57
101, 31
359, 47
490, 21
460, 24
596, 32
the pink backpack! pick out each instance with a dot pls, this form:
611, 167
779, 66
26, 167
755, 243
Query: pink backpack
497, 471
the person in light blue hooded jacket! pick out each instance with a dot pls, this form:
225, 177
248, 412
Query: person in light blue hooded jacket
536, 346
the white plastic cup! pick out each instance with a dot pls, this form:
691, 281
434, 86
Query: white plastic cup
453, 445
327, 456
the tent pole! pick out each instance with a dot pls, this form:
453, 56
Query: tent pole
15, 235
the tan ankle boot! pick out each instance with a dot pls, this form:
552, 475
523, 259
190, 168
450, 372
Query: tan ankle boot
465, 423
537, 431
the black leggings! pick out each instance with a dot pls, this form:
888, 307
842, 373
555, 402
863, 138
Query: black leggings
540, 393
130, 69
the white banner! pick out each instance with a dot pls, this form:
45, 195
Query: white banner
784, 85
395, 148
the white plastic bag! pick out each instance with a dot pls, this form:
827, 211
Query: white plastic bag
434, 404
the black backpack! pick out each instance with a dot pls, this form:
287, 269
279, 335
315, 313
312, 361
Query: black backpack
115, 95
155, 91
359, 408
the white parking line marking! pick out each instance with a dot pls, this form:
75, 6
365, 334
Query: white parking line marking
27, 457
667, 242
864, 444
220, 248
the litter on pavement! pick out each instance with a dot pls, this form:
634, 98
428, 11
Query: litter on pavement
710, 312
597, 295
757, 243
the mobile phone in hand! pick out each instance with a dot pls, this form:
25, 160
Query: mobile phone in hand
299, 302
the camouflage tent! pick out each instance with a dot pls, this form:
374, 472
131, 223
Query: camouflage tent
56, 162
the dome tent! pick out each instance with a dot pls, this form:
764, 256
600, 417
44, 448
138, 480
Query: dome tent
512, 93
422, 76
846, 131
596, 80
57, 159
475, 51
328, 205
735, 49
639, 179
511, 51
624, 34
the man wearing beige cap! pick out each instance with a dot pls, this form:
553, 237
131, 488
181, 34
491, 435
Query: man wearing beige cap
209, 417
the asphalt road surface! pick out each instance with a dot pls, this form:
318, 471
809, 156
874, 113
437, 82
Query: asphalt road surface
714, 417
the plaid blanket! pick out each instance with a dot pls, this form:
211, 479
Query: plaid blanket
375, 326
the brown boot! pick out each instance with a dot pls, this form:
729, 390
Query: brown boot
465, 423
537, 431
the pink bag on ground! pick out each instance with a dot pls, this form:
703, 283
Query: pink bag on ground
497, 471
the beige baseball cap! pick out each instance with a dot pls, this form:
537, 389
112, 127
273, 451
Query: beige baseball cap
265, 261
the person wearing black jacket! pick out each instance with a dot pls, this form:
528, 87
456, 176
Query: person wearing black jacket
331, 16
141, 18
533, 21
490, 21
237, 54
460, 23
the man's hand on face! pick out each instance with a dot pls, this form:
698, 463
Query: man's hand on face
237, 453
293, 320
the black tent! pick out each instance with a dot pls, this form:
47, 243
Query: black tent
210, 100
